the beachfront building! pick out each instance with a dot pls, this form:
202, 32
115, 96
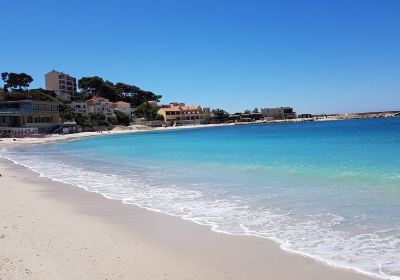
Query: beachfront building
28, 117
305, 116
100, 105
62, 84
176, 113
281, 113
123, 107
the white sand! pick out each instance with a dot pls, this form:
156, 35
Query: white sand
50, 230
117, 130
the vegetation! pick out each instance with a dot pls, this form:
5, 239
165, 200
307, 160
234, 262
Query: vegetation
85, 120
32, 94
15, 81
148, 112
122, 119
219, 115
91, 86
16, 88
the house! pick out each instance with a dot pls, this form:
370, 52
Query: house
100, 105
28, 117
181, 114
61, 83
123, 107
281, 113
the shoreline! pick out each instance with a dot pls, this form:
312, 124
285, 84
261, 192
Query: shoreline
80, 135
140, 129
240, 255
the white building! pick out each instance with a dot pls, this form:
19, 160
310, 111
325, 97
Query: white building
79, 106
100, 105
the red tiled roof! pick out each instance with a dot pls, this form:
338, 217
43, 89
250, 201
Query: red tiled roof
121, 103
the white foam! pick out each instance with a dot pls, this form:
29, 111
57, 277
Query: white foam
372, 253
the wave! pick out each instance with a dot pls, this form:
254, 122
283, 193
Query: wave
317, 236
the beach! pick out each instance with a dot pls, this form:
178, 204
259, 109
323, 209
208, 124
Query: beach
50, 230
118, 130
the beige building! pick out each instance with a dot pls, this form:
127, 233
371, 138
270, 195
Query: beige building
180, 114
28, 116
122, 106
63, 84
100, 105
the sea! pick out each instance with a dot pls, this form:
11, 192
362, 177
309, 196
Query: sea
328, 190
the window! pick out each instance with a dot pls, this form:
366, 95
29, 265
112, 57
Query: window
30, 119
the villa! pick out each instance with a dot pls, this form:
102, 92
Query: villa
122, 106
100, 105
178, 113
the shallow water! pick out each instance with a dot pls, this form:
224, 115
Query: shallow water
330, 190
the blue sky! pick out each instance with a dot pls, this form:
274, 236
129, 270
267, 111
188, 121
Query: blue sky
317, 56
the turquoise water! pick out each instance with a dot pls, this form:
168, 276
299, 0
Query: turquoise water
329, 190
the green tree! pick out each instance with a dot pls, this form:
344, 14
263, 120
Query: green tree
159, 117
91, 85
219, 115
120, 91
16, 80
67, 113
122, 118
126, 90
147, 111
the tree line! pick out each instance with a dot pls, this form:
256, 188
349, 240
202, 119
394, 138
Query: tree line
17, 84
96, 86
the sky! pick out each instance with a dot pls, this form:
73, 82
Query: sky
317, 56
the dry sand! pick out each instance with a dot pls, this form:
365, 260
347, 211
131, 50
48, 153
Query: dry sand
49, 230
118, 130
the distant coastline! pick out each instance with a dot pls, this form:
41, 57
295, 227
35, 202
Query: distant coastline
141, 128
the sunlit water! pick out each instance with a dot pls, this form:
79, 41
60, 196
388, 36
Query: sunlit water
330, 190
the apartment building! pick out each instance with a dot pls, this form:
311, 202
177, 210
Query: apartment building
281, 113
63, 84
181, 114
28, 116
